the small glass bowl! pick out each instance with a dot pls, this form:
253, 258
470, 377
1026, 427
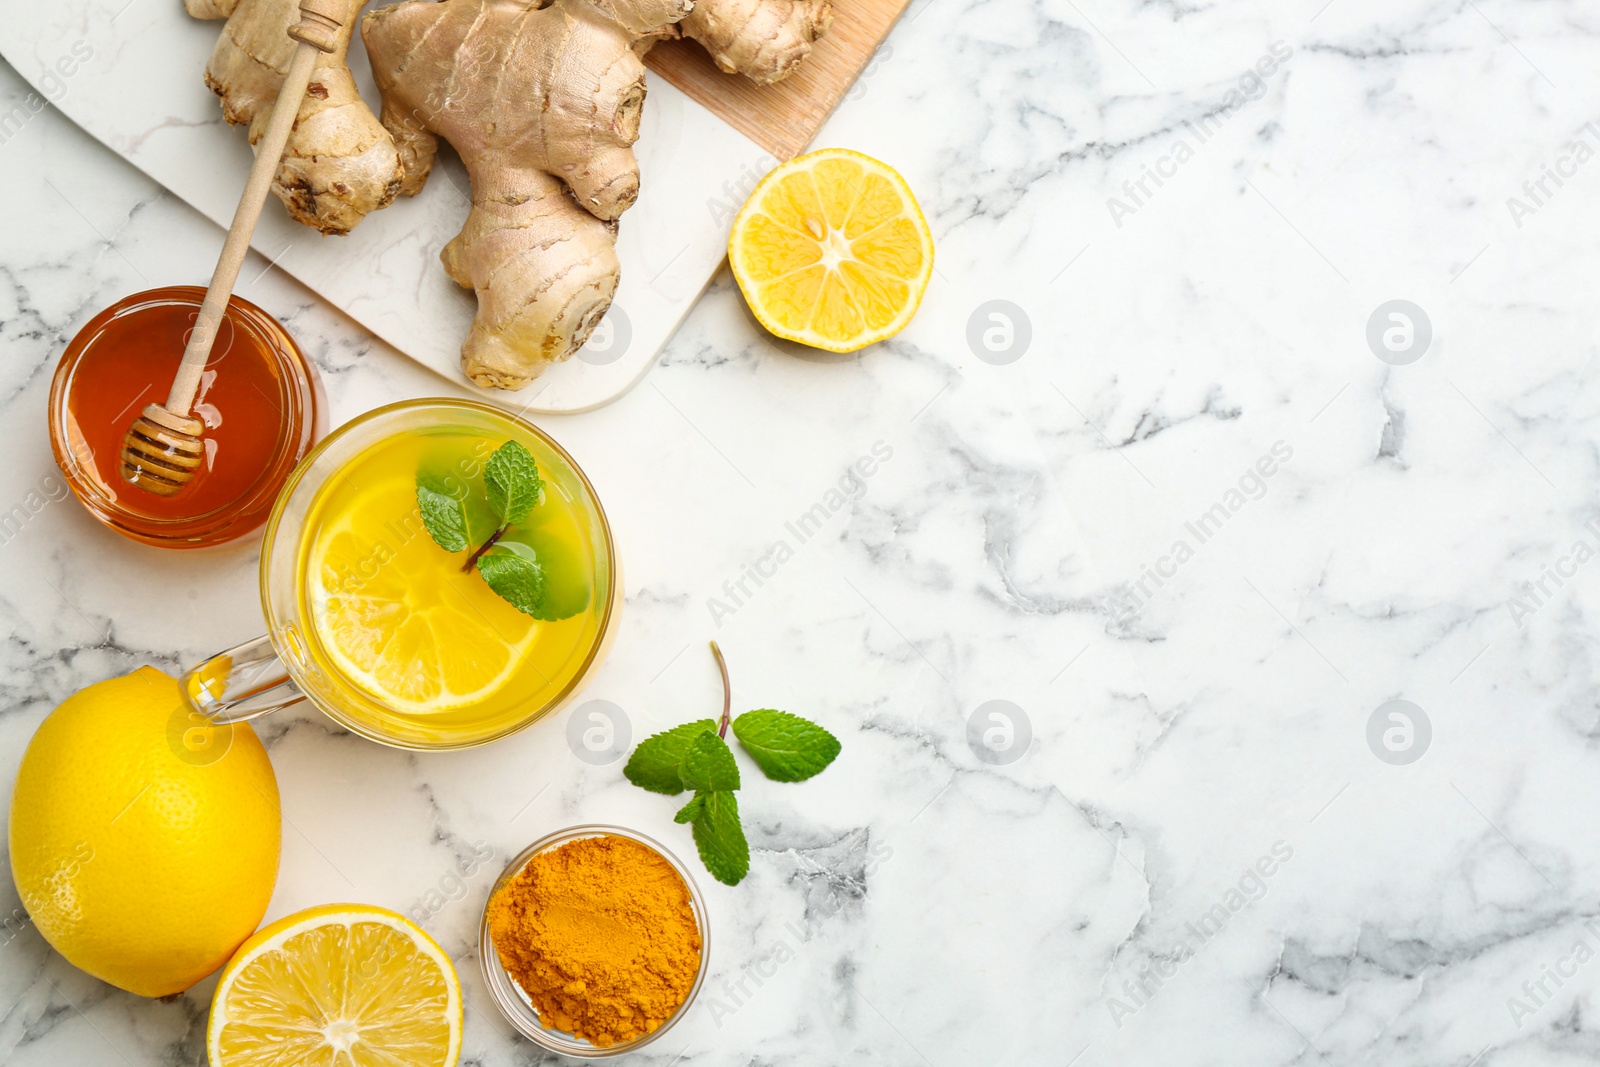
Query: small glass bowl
514, 1003
130, 324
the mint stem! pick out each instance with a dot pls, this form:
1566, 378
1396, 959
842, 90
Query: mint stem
727, 691
466, 568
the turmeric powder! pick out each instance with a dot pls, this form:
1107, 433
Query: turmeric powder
601, 936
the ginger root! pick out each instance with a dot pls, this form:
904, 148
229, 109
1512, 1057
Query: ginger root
340, 163
541, 99
762, 39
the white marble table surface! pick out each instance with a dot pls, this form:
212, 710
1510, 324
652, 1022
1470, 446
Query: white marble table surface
1198, 857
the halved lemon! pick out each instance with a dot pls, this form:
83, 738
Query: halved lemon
404, 622
831, 250
342, 985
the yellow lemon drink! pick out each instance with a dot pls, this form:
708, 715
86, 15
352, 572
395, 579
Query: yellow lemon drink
406, 636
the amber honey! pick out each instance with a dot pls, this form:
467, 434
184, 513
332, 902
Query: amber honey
259, 399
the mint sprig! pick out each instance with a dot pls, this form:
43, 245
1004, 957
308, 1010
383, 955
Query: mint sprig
513, 488
696, 756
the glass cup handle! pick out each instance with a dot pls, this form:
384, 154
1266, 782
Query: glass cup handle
240, 684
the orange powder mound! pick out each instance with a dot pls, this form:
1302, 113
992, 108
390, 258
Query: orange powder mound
601, 936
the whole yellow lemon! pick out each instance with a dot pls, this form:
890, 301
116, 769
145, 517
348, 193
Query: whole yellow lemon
144, 841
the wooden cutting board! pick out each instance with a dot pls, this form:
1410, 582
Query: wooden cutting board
141, 94
783, 118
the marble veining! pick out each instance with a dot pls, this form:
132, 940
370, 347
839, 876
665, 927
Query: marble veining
1203, 845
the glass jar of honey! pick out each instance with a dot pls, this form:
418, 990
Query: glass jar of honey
260, 400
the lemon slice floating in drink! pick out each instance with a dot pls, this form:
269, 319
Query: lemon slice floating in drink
404, 622
832, 251
339, 984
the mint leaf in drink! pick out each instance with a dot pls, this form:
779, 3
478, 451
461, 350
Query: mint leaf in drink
482, 522
786, 747
654, 764
566, 573
691, 811
513, 572
512, 478
443, 513
457, 518
708, 765
720, 838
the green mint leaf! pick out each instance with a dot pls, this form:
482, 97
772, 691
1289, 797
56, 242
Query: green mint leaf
513, 572
654, 764
786, 747
708, 765
481, 519
720, 838
512, 478
566, 581
444, 515
691, 811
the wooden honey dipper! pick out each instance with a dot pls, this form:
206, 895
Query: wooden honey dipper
162, 450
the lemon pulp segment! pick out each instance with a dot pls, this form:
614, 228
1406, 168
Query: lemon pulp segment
418, 634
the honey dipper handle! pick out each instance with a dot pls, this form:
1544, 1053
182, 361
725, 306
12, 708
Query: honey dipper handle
316, 32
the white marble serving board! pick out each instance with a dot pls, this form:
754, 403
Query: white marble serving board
130, 73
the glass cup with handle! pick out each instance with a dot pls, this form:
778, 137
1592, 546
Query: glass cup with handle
390, 635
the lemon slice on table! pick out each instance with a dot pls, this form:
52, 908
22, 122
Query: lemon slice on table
831, 250
403, 621
343, 985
